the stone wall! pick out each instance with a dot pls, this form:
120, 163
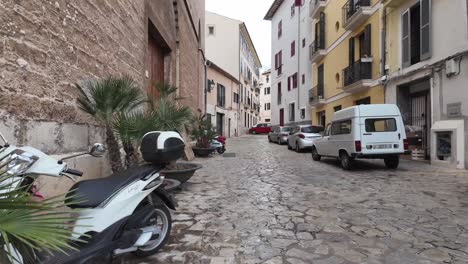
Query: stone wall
48, 46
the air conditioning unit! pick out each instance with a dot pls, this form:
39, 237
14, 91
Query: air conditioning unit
451, 67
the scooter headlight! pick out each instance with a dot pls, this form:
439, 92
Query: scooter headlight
16, 163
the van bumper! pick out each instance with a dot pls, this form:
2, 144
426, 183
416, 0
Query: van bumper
375, 156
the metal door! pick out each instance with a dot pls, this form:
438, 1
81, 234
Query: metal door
420, 118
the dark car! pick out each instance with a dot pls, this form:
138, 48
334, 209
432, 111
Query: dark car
279, 134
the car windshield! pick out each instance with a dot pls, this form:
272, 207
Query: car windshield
312, 129
286, 129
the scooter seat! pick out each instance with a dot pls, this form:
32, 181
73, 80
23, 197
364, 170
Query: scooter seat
91, 193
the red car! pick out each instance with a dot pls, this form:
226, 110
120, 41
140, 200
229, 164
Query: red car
261, 128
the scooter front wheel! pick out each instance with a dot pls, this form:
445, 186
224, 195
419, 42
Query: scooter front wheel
221, 150
162, 223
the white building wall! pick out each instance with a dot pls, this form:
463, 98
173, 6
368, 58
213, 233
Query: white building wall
449, 38
299, 63
223, 46
265, 81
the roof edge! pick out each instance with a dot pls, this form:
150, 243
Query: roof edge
273, 8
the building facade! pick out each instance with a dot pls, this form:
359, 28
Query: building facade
345, 54
291, 73
426, 75
223, 101
47, 47
241, 61
265, 97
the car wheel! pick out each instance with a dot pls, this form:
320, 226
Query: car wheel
315, 155
289, 146
269, 139
346, 161
392, 162
298, 148
253, 132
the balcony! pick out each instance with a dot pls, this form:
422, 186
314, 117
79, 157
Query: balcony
355, 13
357, 77
316, 96
317, 50
394, 3
316, 7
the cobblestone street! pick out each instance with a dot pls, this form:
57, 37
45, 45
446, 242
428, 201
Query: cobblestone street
272, 205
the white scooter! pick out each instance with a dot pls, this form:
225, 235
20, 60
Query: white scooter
125, 212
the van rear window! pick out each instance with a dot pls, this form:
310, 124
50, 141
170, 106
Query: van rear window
381, 125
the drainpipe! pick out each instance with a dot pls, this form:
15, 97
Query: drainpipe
298, 61
384, 49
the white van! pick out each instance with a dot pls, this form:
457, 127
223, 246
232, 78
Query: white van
363, 131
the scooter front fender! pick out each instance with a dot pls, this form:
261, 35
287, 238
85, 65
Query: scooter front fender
166, 197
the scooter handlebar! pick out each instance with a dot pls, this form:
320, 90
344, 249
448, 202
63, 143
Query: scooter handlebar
74, 172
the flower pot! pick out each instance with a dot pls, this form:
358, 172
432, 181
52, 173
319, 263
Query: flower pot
183, 171
202, 152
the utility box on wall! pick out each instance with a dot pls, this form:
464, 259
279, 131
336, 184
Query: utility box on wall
448, 137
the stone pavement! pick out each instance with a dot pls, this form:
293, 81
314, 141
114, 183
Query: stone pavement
270, 205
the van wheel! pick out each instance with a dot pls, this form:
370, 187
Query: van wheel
346, 160
392, 162
315, 155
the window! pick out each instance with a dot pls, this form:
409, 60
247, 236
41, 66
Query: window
211, 30
416, 33
267, 106
292, 113
279, 62
293, 48
312, 129
365, 50
321, 118
267, 90
268, 78
302, 113
267, 120
236, 98
245, 119
341, 127
289, 83
303, 78
303, 42
364, 101
221, 95
294, 80
279, 93
208, 117
337, 108
381, 125
280, 28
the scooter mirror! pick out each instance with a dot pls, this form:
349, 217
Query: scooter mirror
97, 150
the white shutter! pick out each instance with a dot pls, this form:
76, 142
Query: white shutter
405, 39
426, 40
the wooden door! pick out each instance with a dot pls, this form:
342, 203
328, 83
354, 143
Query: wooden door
281, 117
156, 65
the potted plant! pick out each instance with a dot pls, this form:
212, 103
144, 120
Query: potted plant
162, 114
203, 132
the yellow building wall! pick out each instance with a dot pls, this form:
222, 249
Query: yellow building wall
337, 60
376, 94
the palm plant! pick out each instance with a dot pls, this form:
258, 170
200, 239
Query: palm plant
163, 114
104, 100
27, 226
202, 131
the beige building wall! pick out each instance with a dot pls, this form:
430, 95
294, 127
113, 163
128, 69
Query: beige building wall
231, 109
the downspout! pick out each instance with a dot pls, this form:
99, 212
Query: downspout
205, 61
384, 50
298, 62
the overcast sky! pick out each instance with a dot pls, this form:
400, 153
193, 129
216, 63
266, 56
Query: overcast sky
251, 12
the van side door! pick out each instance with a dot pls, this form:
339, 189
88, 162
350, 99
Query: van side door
322, 143
341, 137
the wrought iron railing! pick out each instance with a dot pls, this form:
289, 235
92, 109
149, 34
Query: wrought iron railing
356, 72
316, 94
351, 7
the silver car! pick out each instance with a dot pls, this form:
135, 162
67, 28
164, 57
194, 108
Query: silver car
279, 134
301, 137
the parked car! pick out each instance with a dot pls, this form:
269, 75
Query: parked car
364, 131
279, 134
260, 128
301, 137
